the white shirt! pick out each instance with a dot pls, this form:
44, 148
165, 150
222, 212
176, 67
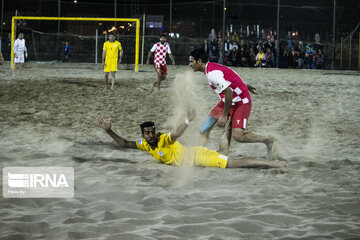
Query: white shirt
19, 46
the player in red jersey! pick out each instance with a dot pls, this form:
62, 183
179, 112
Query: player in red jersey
235, 104
161, 49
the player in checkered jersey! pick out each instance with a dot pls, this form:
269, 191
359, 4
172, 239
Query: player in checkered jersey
235, 103
161, 49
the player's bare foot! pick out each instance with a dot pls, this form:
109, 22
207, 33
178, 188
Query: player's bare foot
281, 164
271, 149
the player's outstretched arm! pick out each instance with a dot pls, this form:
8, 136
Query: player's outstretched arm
106, 125
251, 89
181, 129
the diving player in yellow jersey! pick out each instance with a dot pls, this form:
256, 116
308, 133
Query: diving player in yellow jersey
110, 58
166, 149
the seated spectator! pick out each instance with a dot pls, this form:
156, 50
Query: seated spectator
234, 45
234, 57
235, 38
228, 47
299, 59
252, 36
243, 57
260, 59
214, 53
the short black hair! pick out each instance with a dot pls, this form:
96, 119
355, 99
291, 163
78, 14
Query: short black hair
146, 124
111, 33
163, 35
199, 53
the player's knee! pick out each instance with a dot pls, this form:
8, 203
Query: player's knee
238, 134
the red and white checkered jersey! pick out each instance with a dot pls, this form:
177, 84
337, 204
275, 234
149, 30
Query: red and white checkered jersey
160, 53
221, 77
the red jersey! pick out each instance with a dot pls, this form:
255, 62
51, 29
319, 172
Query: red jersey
160, 53
221, 77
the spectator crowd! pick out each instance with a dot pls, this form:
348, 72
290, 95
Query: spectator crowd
259, 50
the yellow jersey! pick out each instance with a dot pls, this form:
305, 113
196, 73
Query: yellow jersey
166, 151
112, 49
173, 153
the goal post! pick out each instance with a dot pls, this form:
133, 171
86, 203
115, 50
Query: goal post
136, 20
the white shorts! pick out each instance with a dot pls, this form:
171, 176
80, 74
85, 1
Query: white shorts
19, 58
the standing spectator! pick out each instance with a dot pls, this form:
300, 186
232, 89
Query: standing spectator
20, 52
308, 57
212, 48
317, 45
317, 38
269, 56
67, 49
161, 49
220, 44
110, 58
227, 37
212, 35
289, 41
285, 58
259, 46
252, 57
205, 46
7, 50
1, 59
314, 60
270, 45
299, 59
320, 61
214, 52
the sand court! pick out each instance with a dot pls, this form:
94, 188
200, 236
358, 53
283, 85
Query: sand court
48, 118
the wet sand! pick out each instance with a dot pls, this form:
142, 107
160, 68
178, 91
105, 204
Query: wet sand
48, 118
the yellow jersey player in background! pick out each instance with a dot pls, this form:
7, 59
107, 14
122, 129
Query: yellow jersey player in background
111, 58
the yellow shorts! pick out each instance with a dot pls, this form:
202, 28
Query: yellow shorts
203, 157
110, 65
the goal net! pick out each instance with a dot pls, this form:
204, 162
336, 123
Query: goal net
350, 50
46, 36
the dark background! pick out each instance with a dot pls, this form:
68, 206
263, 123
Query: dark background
192, 20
